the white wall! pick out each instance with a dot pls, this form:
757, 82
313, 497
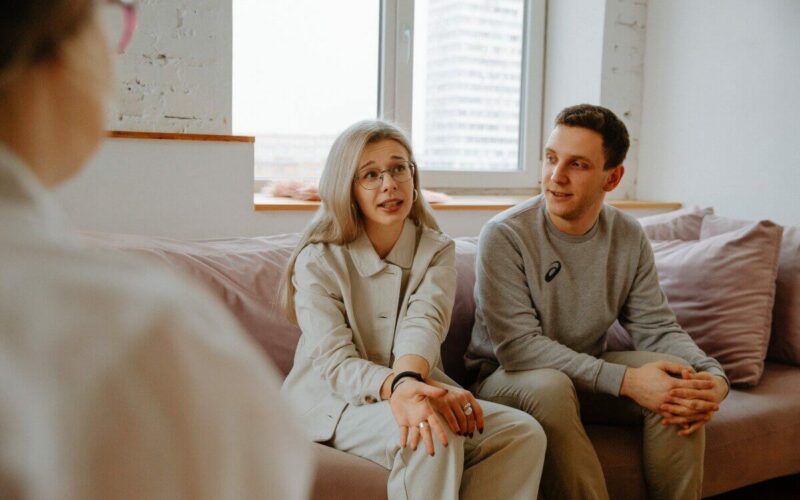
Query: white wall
721, 106
176, 75
594, 54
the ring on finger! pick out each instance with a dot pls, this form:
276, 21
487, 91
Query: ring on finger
467, 409
422, 425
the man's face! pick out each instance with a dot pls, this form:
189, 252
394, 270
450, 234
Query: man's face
573, 179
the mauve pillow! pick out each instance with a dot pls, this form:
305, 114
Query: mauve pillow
243, 272
784, 345
722, 290
683, 224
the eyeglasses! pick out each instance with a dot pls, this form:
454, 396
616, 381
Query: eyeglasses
373, 178
118, 19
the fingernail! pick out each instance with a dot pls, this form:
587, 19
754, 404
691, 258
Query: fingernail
480, 430
470, 435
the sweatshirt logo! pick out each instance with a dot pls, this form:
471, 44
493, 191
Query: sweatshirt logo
555, 267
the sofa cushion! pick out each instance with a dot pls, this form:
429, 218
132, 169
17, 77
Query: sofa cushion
722, 291
455, 345
243, 272
785, 342
683, 224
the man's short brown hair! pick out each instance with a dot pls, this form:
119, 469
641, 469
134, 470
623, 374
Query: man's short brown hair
604, 122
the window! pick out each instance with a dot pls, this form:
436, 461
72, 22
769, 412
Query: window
463, 76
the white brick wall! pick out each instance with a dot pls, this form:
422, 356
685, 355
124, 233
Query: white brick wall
176, 76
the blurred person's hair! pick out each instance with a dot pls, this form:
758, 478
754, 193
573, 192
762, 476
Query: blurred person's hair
339, 219
32, 31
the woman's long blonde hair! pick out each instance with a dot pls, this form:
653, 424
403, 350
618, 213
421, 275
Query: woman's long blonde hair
339, 220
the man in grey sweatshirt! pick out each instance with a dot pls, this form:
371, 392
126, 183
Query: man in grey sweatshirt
552, 275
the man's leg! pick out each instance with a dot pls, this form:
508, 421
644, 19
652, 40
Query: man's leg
672, 464
571, 466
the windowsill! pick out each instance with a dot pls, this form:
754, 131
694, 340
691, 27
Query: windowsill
264, 203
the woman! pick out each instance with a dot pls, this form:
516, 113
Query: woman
115, 376
371, 285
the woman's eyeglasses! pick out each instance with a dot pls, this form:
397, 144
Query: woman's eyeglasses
118, 18
373, 178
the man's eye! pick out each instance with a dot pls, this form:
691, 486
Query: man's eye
551, 159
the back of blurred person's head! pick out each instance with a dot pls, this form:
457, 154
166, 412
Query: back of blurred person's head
55, 76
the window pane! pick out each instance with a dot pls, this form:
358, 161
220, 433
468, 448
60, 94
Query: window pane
467, 82
302, 71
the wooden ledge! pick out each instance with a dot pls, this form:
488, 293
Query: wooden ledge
264, 203
124, 134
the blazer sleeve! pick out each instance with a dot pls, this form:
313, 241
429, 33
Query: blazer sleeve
424, 326
328, 339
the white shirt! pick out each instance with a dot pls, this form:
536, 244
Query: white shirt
118, 380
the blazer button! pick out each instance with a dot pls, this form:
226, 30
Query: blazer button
383, 316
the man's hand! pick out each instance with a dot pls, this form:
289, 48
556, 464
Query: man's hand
651, 384
692, 408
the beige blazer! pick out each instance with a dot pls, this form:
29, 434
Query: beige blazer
358, 313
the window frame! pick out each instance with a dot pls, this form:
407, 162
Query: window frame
395, 94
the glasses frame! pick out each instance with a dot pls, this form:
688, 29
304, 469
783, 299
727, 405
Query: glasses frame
129, 9
411, 164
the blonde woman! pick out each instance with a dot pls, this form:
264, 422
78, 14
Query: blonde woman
371, 285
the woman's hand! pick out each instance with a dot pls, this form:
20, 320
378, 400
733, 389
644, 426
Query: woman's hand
412, 410
460, 409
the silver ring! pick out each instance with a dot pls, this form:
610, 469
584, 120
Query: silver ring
422, 425
467, 409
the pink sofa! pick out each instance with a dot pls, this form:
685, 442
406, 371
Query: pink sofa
754, 437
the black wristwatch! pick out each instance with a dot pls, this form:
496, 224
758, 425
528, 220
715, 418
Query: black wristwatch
409, 374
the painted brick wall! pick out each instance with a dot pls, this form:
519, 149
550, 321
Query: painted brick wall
176, 76
622, 80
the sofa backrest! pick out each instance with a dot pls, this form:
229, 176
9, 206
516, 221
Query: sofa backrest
245, 274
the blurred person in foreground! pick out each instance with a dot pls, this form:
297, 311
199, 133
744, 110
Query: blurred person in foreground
117, 380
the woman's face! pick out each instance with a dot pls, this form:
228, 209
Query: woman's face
387, 205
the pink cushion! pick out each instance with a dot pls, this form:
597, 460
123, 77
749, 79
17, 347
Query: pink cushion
243, 272
785, 342
683, 224
722, 290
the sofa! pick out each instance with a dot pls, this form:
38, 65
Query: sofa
754, 437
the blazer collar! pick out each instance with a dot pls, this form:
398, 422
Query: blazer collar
368, 262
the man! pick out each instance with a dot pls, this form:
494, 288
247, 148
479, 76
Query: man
552, 275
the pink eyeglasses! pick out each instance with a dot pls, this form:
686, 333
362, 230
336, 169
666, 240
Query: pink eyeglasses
118, 18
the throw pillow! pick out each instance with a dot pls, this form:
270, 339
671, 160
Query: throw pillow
683, 224
785, 341
722, 290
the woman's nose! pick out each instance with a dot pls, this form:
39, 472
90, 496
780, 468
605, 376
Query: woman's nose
388, 182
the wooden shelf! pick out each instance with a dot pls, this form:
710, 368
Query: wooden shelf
123, 134
496, 203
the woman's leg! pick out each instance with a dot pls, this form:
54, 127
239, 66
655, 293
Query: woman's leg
370, 431
506, 460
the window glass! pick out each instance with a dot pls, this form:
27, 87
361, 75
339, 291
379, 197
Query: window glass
467, 83
303, 70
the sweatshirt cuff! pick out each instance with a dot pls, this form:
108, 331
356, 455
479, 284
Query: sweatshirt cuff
609, 378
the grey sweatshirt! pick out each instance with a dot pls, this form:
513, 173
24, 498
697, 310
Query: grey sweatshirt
545, 299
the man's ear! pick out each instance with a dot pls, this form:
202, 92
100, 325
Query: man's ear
614, 178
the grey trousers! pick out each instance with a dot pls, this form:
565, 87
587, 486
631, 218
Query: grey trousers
504, 462
672, 465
